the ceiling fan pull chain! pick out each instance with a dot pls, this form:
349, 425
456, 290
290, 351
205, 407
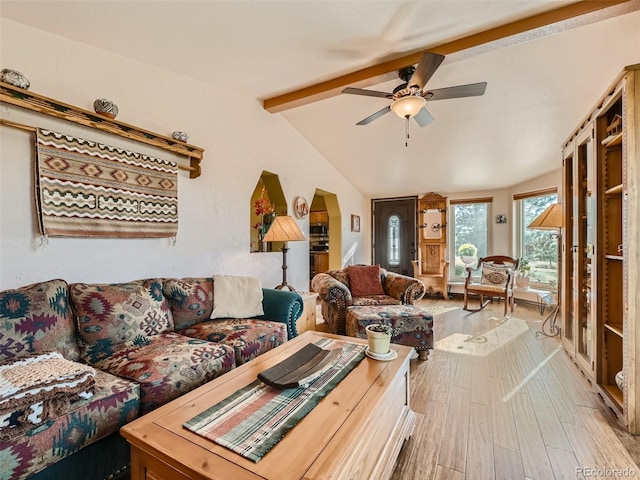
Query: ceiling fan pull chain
406, 142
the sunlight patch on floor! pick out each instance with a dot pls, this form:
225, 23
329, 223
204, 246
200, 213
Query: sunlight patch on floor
438, 309
502, 331
530, 375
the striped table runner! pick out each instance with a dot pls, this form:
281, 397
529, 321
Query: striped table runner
255, 418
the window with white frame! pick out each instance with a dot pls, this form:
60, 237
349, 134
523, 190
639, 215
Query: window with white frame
469, 220
537, 249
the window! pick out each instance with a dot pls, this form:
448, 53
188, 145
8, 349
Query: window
537, 249
394, 240
470, 227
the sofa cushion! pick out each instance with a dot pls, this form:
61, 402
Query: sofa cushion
112, 314
36, 319
365, 280
190, 299
249, 338
375, 300
236, 297
40, 387
114, 404
166, 365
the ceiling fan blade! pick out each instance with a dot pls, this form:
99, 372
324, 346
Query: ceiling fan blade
378, 114
469, 90
368, 93
428, 65
423, 117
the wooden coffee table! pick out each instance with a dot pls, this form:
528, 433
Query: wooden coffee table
356, 431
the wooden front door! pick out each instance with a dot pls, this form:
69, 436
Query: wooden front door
394, 233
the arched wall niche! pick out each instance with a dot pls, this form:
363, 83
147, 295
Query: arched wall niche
267, 198
327, 201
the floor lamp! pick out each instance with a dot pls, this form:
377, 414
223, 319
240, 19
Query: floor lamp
551, 219
284, 229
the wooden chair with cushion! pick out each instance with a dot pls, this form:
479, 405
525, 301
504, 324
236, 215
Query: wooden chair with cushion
497, 280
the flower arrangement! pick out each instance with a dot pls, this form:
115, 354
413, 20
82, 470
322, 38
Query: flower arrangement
467, 250
266, 212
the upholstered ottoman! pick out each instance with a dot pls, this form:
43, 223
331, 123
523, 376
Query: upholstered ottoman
415, 325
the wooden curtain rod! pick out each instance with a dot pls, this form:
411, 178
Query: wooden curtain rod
19, 126
29, 128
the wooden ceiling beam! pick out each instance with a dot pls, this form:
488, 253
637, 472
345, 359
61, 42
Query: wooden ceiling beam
376, 74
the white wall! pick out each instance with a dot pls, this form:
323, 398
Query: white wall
240, 141
549, 180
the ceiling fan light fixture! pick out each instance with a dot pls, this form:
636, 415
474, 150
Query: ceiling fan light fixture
408, 106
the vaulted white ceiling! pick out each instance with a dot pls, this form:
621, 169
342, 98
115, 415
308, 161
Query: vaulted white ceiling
540, 83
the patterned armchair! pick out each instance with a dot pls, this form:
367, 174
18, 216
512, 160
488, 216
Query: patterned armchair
335, 292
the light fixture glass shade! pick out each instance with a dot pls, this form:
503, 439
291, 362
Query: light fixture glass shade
408, 106
284, 229
550, 219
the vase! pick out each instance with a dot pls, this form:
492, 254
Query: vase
467, 259
180, 136
379, 342
14, 78
522, 283
105, 107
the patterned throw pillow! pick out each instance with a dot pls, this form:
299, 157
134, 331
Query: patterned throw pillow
365, 280
111, 314
36, 319
191, 300
496, 275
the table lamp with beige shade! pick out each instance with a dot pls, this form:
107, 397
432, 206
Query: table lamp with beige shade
284, 229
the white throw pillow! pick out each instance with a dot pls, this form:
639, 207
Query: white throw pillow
236, 297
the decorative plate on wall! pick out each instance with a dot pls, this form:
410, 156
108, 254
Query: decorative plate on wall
301, 207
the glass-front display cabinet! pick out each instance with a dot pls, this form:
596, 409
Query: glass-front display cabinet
580, 244
601, 306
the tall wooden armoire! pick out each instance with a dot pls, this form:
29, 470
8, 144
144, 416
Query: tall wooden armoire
431, 267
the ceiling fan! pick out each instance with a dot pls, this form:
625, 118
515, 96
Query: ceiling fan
409, 98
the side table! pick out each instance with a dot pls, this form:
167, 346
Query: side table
307, 320
549, 299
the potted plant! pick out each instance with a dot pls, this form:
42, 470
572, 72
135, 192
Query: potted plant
379, 337
522, 277
467, 252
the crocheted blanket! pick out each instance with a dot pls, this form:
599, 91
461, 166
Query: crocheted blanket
37, 388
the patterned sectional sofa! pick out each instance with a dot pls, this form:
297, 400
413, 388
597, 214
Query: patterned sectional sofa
122, 350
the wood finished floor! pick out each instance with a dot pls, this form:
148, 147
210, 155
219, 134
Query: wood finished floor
496, 402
